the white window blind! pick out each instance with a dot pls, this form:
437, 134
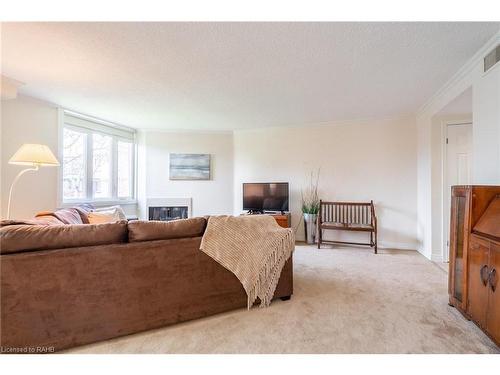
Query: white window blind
81, 121
98, 160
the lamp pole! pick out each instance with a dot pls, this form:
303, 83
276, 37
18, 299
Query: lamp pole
34, 168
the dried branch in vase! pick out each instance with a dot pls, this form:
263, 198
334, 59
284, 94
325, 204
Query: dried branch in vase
310, 197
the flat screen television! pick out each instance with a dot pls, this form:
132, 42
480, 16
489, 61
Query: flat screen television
268, 196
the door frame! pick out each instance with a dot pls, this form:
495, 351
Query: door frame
445, 206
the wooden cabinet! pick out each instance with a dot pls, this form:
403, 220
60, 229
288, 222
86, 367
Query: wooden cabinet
475, 255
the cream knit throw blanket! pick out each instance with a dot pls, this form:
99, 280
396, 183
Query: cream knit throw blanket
253, 247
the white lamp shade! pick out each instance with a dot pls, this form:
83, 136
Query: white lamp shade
33, 154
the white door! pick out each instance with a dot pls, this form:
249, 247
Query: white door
458, 169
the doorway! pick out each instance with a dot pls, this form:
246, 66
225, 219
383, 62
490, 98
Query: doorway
457, 169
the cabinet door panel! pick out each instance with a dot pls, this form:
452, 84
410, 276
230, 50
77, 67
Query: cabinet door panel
459, 237
493, 324
478, 277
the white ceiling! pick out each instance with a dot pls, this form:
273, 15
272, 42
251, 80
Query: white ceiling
237, 75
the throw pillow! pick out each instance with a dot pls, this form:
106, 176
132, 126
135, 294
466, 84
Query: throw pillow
118, 209
101, 217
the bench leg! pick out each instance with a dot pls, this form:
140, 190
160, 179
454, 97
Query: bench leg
376, 242
319, 238
372, 242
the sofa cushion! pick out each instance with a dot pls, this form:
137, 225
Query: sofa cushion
165, 230
18, 238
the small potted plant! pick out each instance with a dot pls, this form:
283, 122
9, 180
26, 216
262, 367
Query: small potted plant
310, 208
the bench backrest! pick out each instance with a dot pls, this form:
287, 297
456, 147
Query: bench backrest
346, 212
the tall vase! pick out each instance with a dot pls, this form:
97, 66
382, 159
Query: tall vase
310, 227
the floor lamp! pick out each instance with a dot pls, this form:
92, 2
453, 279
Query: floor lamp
33, 155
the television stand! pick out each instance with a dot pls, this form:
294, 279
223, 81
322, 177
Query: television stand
284, 219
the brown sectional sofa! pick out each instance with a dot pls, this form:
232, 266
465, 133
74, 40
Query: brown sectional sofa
69, 285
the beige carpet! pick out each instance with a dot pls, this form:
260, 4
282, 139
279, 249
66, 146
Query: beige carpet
346, 301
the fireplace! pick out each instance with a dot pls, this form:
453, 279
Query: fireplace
165, 213
167, 209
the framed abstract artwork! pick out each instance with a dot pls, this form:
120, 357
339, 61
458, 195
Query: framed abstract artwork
190, 166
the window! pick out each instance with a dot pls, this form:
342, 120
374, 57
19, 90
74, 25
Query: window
98, 160
74, 158
102, 155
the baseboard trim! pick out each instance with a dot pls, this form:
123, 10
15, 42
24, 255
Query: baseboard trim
397, 246
381, 245
437, 258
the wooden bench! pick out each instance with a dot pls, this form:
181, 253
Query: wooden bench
350, 216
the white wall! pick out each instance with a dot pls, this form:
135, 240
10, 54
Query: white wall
486, 129
486, 140
208, 197
359, 162
28, 120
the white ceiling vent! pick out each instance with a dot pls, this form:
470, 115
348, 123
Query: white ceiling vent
492, 58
